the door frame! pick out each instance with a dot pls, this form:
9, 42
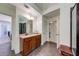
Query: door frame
11, 27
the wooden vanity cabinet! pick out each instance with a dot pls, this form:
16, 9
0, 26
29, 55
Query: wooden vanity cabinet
38, 41
29, 44
33, 42
26, 46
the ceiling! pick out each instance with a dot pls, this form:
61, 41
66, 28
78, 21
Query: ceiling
53, 13
44, 6
40, 7
24, 7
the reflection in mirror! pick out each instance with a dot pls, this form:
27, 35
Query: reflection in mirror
25, 25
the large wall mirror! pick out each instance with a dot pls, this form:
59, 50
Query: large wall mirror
25, 25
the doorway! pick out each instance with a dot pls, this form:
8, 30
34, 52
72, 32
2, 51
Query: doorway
5, 35
52, 31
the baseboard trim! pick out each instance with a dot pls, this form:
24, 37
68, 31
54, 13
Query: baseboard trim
13, 51
51, 42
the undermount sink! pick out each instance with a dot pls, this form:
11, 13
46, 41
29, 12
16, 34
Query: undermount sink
26, 34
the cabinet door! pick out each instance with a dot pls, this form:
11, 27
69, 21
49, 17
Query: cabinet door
38, 41
26, 46
33, 43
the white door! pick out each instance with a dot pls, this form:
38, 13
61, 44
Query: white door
52, 31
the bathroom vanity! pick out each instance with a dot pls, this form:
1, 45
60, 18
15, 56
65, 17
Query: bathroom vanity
29, 42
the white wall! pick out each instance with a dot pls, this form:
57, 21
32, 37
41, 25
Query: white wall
34, 25
37, 23
37, 26
65, 23
45, 29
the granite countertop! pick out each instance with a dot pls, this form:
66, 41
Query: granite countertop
23, 36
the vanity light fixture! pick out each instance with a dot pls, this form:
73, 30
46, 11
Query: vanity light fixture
50, 22
31, 18
28, 16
